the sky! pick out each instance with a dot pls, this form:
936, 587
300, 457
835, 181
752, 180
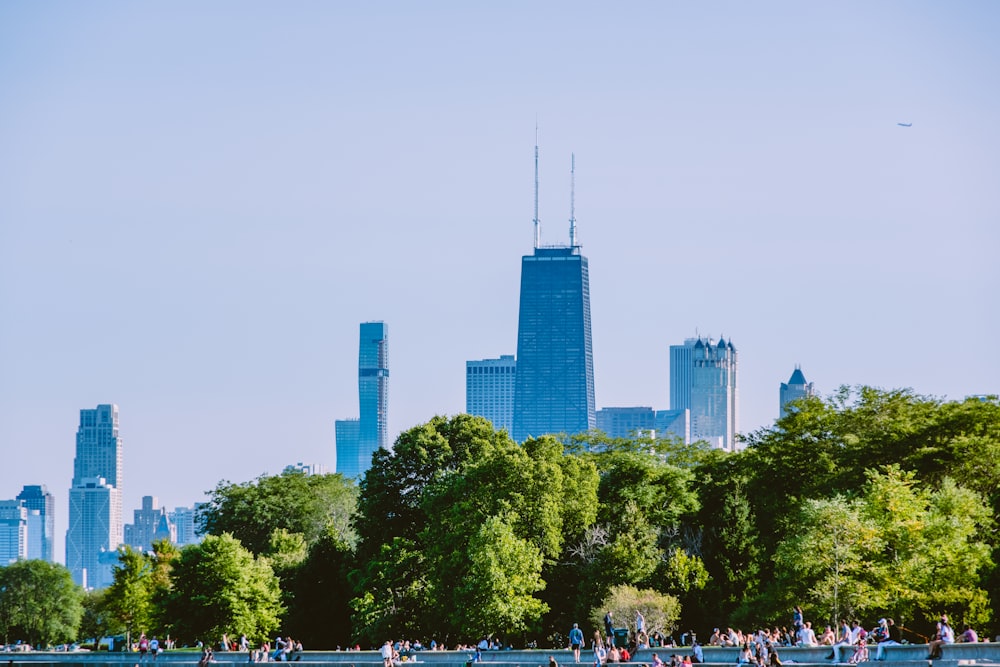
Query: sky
199, 203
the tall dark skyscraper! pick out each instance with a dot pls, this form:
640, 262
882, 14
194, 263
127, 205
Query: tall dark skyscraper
554, 386
357, 439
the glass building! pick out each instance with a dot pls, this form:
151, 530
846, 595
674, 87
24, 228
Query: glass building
626, 422
358, 439
95, 505
554, 386
42, 527
489, 390
796, 388
703, 380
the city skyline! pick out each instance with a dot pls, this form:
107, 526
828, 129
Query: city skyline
194, 233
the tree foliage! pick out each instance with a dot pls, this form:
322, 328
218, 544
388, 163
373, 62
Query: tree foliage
220, 587
309, 505
39, 603
660, 610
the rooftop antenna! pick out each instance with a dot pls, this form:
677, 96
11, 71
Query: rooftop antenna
538, 224
572, 200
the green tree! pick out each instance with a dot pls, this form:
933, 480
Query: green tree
219, 586
129, 599
497, 593
320, 615
298, 503
661, 611
97, 621
39, 603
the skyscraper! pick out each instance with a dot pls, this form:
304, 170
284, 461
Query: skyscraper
354, 453
40, 539
150, 523
185, 520
95, 505
489, 390
796, 388
554, 384
13, 531
703, 379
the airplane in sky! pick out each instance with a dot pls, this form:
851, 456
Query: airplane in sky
905, 124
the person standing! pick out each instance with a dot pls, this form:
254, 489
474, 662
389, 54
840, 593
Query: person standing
640, 622
576, 641
609, 626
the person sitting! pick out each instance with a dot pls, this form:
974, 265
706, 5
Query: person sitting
968, 635
860, 653
944, 635
888, 635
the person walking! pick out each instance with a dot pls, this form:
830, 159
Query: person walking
576, 641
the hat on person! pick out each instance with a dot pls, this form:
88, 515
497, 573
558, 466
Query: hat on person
881, 621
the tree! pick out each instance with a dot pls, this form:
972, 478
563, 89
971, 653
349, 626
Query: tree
497, 593
220, 587
661, 611
898, 550
39, 603
129, 598
97, 621
298, 503
320, 614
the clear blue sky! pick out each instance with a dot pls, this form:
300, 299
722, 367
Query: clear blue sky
200, 202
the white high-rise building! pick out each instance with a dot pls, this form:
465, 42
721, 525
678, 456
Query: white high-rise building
703, 379
95, 503
185, 521
489, 390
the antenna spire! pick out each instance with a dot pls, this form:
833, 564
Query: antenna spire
538, 224
572, 200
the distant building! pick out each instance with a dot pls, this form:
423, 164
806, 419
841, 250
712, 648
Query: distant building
95, 504
41, 521
673, 424
794, 389
703, 380
95, 529
554, 383
13, 531
356, 442
626, 422
185, 521
150, 524
307, 468
489, 390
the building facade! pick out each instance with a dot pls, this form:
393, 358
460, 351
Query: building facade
794, 389
703, 379
185, 520
150, 523
41, 521
626, 422
554, 383
673, 424
13, 531
357, 440
95, 505
489, 390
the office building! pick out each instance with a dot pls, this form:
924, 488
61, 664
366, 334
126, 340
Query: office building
489, 390
41, 521
95, 506
185, 521
626, 422
150, 524
13, 531
673, 424
356, 441
703, 380
794, 389
307, 468
554, 383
